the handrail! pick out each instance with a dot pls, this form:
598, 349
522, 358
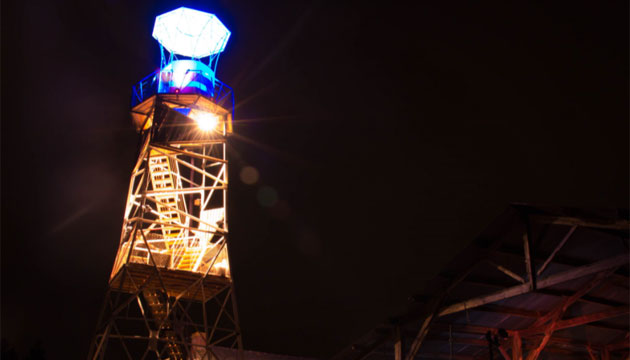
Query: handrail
221, 93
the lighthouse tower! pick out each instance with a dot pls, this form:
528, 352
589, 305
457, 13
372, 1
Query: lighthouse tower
170, 291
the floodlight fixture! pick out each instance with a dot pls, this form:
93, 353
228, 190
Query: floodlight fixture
191, 33
205, 121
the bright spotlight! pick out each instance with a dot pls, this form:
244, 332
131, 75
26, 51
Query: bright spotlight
206, 121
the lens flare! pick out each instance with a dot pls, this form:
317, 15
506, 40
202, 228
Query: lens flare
206, 121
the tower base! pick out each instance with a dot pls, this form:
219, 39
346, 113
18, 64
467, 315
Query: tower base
156, 313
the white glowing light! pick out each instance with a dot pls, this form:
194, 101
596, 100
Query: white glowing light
191, 33
206, 121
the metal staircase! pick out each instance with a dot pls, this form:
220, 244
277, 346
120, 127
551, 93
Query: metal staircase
178, 244
167, 206
157, 304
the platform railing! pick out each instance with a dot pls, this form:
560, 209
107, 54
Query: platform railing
221, 94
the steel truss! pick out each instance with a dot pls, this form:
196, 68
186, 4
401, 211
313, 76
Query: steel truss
170, 294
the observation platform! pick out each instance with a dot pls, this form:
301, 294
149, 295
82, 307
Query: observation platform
142, 114
183, 85
175, 281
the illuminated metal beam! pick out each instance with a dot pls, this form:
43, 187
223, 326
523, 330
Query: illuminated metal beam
189, 153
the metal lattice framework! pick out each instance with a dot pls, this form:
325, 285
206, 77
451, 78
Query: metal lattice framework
171, 293
176, 209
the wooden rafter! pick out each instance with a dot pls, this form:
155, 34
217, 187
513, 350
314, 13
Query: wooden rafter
555, 251
615, 224
434, 309
424, 329
491, 283
620, 280
549, 281
582, 320
507, 272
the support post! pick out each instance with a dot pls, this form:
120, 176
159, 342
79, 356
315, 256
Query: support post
504, 353
533, 355
424, 330
528, 261
517, 347
398, 355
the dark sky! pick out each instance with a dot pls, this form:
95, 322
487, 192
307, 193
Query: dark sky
391, 132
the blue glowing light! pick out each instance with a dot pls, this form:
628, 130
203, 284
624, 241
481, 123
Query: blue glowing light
186, 76
192, 33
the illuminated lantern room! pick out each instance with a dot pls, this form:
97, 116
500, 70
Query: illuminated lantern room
193, 34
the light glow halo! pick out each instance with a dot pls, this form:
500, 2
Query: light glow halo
206, 121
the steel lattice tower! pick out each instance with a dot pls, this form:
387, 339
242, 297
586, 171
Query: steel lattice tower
170, 291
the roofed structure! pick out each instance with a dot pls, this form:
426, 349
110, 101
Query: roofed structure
539, 283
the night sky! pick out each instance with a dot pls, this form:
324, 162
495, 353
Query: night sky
386, 135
